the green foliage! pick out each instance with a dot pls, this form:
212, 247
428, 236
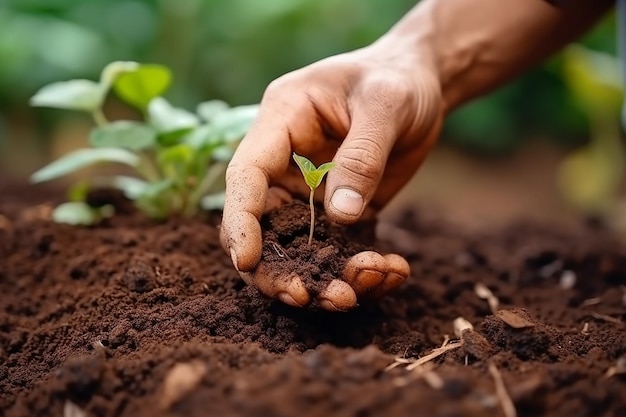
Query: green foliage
140, 86
313, 177
590, 177
179, 157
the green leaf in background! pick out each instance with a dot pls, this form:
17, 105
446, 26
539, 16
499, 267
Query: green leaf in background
81, 158
174, 137
79, 213
179, 154
202, 137
312, 176
167, 118
79, 191
82, 95
112, 71
223, 153
231, 125
123, 134
140, 86
594, 78
208, 110
153, 189
213, 201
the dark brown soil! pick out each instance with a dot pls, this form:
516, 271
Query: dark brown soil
286, 244
132, 318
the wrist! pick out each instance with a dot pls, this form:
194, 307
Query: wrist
413, 51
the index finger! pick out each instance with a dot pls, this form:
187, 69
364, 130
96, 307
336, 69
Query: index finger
260, 158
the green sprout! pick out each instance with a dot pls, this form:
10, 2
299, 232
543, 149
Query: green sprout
178, 158
313, 177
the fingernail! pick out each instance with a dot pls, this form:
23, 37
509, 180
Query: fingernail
330, 306
347, 201
233, 258
287, 299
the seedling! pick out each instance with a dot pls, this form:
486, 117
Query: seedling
178, 157
313, 177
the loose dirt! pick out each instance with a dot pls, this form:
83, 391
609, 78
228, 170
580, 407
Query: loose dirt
135, 318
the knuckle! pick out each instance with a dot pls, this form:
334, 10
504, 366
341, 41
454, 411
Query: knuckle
363, 158
282, 84
389, 91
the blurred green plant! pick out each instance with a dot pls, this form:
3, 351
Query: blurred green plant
590, 177
231, 50
179, 157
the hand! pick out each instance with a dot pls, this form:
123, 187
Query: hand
389, 111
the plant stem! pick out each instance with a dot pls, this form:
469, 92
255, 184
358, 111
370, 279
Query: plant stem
99, 117
312, 216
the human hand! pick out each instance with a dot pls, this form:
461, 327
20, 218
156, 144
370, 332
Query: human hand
388, 109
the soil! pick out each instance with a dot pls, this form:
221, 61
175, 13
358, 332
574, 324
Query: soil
135, 318
286, 245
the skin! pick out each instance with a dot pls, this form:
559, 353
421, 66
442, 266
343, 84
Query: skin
376, 112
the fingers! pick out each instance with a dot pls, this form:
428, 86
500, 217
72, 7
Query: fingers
361, 159
261, 157
366, 274
287, 288
337, 296
373, 275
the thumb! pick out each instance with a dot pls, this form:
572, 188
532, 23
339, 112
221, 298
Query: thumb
360, 163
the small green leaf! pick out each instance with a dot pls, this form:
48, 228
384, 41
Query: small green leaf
232, 125
312, 176
167, 118
112, 71
202, 137
82, 95
174, 137
209, 110
213, 201
78, 213
81, 158
153, 189
178, 154
223, 153
79, 191
123, 134
139, 86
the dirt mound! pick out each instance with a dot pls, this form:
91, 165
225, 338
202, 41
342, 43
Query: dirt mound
133, 318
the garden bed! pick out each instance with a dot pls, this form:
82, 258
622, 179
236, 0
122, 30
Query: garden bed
134, 318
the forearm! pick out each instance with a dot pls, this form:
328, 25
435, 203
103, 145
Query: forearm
474, 46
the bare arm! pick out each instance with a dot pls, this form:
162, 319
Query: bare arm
478, 45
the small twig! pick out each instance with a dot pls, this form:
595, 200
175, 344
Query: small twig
446, 340
585, 329
505, 400
396, 362
617, 369
434, 354
484, 293
72, 410
279, 251
591, 302
426, 373
609, 319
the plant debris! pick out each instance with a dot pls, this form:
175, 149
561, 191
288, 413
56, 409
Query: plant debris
619, 368
505, 400
180, 381
517, 318
484, 293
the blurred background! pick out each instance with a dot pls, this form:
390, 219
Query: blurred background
523, 151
